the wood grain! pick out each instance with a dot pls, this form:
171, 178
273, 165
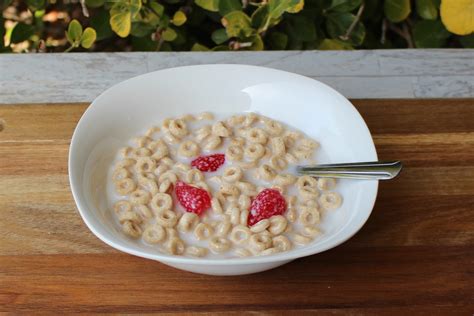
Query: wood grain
414, 255
394, 73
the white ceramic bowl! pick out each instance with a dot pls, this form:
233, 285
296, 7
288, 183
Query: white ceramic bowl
129, 107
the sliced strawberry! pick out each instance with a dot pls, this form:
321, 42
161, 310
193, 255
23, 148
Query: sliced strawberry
194, 200
209, 163
267, 203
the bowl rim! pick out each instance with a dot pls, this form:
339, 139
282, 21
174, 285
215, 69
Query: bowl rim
283, 256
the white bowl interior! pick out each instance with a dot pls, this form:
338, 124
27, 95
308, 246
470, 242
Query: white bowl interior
125, 110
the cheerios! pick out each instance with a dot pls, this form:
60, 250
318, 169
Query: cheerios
219, 244
187, 222
166, 218
302, 240
154, 234
141, 152
330, 200
203, 132
188, 148
145, 164
282, 243
326, 184
168, 175
240, 234
273, 128
278, 146
309, 216
234, 153
278, 163
140, 197
176, 246
205, 116
219, 129
216, 206
260, 242
196, 251
266, 172
202, 231
222, 228
161, 202
256, 135
232, 174
125, 186
178, 128
260, 226
284, 179
120, 173
254, 151
212, 142
278, 224
194, 176
132, 229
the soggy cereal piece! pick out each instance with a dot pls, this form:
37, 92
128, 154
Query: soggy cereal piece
132, 229
130, 216
282, 243
234, 153
235, 120
278, 163
244, 202
265, 172
141, 152
326, 184
171, 233
188, 118
159, 149
125, 186
203, 132
194, 176
291, 158
269, 251
168, 175
203, 231
309, 216
219, 129
205, 116
302, 153
308, 144
143, 211
161, 202
247, 188
278, 146
330, 200
256, 135
228, 189
176, 246
154, 234
260, 226
306, 181
166, 218
249, 119
181, 167
302, 240
196, 251
219, 244
284, 179
234, 213
187, 222
216, 206
242, 252
125, 163
212, 142
308, 193
125, 152
273, 127
244, 216
119, 174
140, 197
232, 174
142, 141
188, 149
122, 206
178, 128
240, 234
291, 137
247, 165
237, 141
311, 231
147, 182
145, 164
170, 138
254, 151
222, 228
278, 225
260, 242
152, 132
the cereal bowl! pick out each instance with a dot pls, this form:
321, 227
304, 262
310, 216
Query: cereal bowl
124, 110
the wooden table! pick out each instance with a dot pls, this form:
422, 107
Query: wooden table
414, 255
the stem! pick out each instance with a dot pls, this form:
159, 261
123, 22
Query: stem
351, 28
84, 8
408, 36
383, 37
69, 49
405, 34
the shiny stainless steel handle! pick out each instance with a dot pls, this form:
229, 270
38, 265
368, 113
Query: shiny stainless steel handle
377, 170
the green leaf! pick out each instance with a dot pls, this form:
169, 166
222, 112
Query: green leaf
427, 9
220, 48
344, 5
430, 34
169, 34
257, 43
21, 32
35, 5
135, 6
88, 37
121, 23
302, 28
95, 3
296, 7
226, 6
74, 32
397, 10
337, 25
331, 44
179, 18
276, 8
219, 36
260, 17
237, 24
467, 41
158, 8
199, 48
278, 40
100, 23
209, 5
140, 29
143, 44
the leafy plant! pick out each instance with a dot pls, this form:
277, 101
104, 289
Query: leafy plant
216, 25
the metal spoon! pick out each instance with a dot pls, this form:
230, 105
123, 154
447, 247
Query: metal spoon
376, 170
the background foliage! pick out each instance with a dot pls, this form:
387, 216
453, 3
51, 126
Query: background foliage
201, 25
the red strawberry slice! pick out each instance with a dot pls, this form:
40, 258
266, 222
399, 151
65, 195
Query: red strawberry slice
194, 200
209, 163
266, 204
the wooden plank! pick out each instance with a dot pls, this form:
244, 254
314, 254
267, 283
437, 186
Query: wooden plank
414, 255
338, 279
77, 77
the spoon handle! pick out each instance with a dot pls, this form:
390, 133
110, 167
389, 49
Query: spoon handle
376, 170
